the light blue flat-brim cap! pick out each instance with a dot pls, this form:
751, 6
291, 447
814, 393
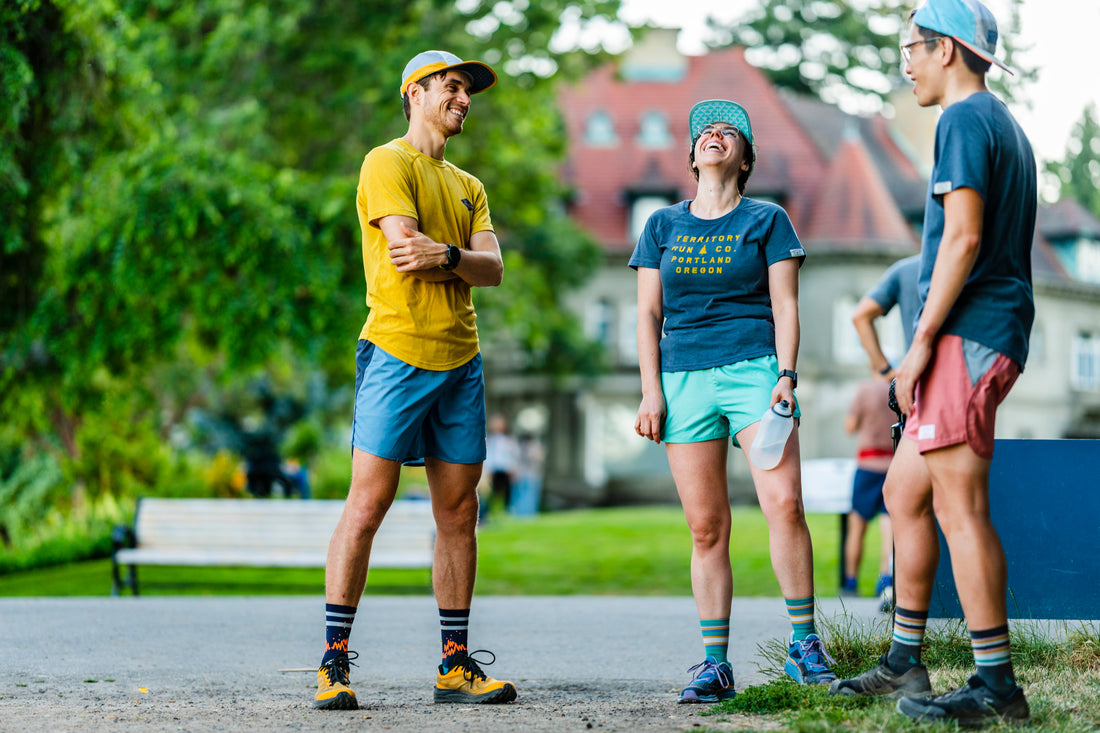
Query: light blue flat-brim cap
710, 111
429, 62
967, 21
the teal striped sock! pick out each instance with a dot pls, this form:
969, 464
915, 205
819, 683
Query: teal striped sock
716, 638
991, 654
801, 611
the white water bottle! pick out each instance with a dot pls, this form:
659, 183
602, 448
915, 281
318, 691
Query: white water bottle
771, 438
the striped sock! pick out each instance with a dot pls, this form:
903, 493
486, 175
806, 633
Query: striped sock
991, 654
904, 651
454, 628
716, 638
801, 611
338, 620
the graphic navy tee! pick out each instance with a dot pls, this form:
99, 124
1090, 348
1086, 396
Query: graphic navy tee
714, 280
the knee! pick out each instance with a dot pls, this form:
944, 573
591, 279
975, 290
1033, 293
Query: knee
786, 509
457, 517
710, 532
364, 518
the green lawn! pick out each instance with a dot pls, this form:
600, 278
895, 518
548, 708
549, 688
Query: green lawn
629, 551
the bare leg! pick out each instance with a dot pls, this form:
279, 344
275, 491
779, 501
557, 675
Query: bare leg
853, 544
373, 486
908, 493
960, 485
780, 494
699, 470
454, 503
885, 528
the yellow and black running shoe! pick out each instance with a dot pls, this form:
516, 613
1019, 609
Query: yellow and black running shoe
333, 692
465, 682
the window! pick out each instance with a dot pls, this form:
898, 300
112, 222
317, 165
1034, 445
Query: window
599, 321
653, 131
628, 333
640, 210
599, 131
1085, 362
1088, 260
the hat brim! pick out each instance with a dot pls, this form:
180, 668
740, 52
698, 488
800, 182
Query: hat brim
982, 54
482, 77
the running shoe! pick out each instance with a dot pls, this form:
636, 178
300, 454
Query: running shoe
712, 681
808, 662
465, 682
973, 704
333, 692
881, 680
884, 589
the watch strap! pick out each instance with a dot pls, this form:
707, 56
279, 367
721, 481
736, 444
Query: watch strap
789, 373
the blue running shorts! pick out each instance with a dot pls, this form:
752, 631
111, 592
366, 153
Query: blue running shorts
720, 402
406, 414
867, 498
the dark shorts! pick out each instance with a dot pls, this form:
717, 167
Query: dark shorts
867, 499
403, 413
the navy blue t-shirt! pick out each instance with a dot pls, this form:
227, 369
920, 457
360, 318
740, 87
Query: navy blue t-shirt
898, 286
714, 278
979, 145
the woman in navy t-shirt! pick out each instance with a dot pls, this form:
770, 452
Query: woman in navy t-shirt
717, 347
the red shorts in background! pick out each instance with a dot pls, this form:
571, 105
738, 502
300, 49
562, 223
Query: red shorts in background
957, 396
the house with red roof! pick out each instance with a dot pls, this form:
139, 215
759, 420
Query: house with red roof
854, 188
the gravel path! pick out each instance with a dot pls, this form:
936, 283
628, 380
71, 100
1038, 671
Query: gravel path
243, 664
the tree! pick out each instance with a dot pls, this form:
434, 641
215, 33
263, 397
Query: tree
843, 52
1078, 173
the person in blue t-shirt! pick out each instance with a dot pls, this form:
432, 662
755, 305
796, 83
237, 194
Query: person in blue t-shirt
717, 347
969, 346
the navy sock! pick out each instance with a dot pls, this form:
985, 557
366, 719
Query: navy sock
991, 654
904, 651
338, 620
454, 628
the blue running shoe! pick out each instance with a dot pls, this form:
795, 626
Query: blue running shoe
808, 662
712, 682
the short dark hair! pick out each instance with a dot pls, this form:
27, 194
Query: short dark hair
742, 176
975, 63
426, 84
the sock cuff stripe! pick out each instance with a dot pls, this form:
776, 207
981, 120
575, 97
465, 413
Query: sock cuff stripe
907, 613
336, 608
990, 633
338, 624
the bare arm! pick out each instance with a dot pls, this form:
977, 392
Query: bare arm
962, 239
866, 312
783, 288
416, 254
651, 413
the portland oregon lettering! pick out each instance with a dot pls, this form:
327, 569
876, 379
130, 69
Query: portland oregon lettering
703, 255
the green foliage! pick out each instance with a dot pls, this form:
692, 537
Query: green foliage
1078, 173
843, 51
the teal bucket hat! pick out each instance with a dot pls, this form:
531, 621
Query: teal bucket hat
719, 110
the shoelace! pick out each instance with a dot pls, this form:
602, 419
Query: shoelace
707, 665
815, 647
338, 668
471, 668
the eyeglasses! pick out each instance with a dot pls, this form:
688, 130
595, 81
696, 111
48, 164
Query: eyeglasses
907, 49
726, 131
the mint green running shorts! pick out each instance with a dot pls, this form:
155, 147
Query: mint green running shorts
719, 402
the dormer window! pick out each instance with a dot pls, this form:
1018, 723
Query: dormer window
599, 130
653, 130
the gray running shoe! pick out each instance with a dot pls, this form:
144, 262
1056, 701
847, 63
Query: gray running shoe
881, 680
973, 704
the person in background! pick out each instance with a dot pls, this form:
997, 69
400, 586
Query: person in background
501, 458
718, 335
870, 417
969, 346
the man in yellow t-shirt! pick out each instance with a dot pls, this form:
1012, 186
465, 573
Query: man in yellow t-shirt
419, 387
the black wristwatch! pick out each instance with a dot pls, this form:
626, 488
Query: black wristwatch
454, 255
791, 374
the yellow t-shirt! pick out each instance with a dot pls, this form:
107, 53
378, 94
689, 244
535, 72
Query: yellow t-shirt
429, 325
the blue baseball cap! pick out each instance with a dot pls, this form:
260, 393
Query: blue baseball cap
710, 111
967, 21
429, 62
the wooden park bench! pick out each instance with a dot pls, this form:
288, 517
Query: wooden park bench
283, 533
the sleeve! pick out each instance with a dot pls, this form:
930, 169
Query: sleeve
647, 253
963, 152
386, 187
782, 242
886, 290
482, 221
